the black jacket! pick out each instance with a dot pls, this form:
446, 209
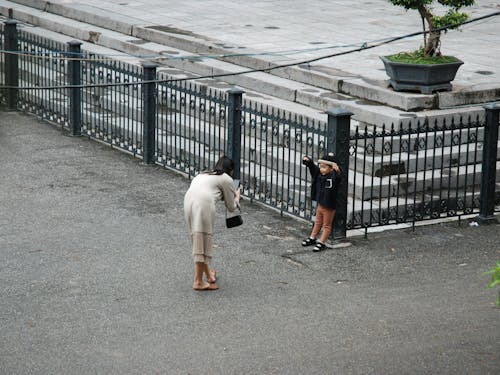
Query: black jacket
324, 188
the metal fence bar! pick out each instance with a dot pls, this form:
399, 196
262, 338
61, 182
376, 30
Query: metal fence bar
473, 140
337, 139
234, 130
149, 114
3, 92
74, 69
488, 179
383, 215
11, 63
416, 208
371, 150
450, 207
433, 187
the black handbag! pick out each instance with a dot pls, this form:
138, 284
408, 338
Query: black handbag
234, 221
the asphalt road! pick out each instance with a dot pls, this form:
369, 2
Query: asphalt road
96, 276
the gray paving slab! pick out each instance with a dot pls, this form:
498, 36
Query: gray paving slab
96, 275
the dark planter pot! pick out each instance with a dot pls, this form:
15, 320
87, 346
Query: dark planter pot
419, 77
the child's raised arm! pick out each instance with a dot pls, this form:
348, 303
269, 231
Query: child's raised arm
308, 162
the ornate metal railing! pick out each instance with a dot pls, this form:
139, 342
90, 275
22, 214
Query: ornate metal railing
191, 130
111, 112
42, 63
273, 144
422, 172
389, 175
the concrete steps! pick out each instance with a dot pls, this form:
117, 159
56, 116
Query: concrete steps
125, 132
292, 183
180, 145
409, 153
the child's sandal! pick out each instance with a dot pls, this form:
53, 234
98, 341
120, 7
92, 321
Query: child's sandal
319, 247
309, 241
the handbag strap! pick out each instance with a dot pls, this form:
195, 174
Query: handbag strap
237, 206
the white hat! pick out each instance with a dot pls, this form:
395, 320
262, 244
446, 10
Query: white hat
328, 159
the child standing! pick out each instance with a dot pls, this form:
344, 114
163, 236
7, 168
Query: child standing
323, 190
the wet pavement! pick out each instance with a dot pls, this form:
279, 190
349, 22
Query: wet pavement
96, 276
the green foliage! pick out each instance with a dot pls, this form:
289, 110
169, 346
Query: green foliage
415, 4
495, 278
411, 4
433, 22
456, 4
452, 19
418, 57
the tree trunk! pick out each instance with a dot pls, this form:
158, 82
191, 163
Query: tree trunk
433, 41
432, 47
425, 29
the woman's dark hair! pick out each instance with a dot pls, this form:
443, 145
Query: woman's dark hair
224, 165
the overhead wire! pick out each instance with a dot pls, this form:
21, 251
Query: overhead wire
67, 55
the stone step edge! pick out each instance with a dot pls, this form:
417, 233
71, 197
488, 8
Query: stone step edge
363, 193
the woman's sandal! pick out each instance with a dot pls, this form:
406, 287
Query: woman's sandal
207, 286
319, 247
309, 241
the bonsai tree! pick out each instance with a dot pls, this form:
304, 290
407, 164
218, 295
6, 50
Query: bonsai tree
433, 23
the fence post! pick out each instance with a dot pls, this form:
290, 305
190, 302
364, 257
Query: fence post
149, 114
234, 129
488, 174
11, 63
75, 93
337, 141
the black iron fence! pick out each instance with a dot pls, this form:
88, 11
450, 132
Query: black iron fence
422, 172
3, 94
40, 64
390, 175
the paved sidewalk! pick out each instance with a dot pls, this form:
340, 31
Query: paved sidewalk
308, 29
96, 275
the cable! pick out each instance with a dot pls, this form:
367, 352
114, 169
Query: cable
365, 46
66, 55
